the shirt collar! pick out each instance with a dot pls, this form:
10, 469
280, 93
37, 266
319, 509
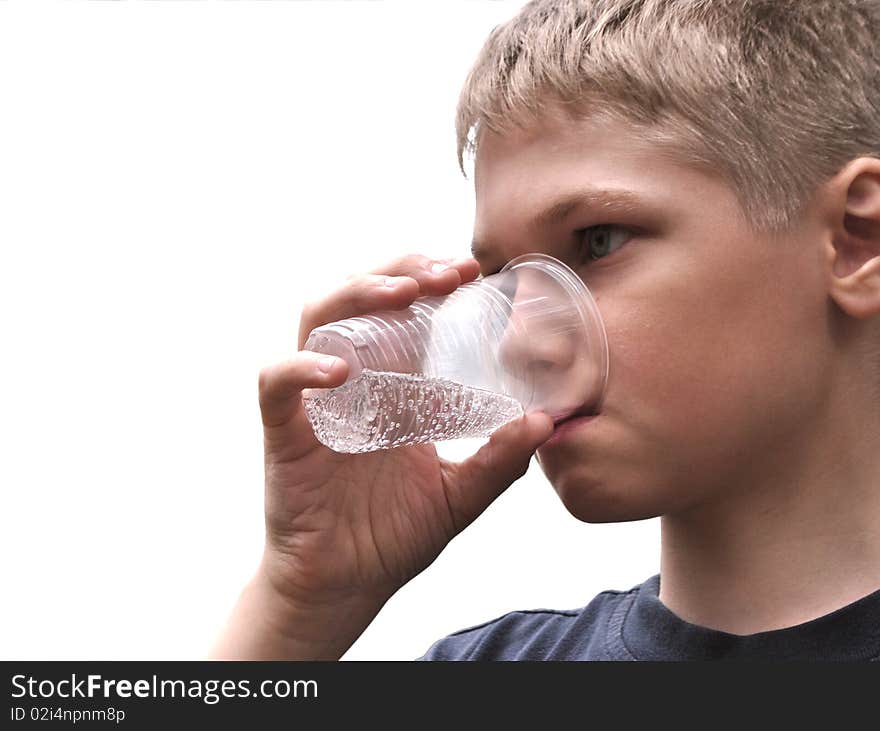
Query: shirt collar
650, 631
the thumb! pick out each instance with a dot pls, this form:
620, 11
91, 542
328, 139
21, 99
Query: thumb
500, 462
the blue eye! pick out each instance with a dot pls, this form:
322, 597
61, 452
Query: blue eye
600, 241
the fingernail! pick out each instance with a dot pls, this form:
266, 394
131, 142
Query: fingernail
438, 267
325, 364
391, 281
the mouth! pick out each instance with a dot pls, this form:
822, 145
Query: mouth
571, 424
579, 414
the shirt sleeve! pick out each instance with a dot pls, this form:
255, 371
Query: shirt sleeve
518, 635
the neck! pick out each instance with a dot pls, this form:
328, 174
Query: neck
784, 545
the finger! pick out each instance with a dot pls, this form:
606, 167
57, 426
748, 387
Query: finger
473, 484
394, 287
287, 432
467, 267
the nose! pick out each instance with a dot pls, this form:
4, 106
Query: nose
539, 342
552, 352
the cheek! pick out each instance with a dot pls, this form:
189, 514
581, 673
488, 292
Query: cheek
702, 377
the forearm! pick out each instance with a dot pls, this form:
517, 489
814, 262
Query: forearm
267, 626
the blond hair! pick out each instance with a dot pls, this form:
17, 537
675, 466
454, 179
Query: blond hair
773, 95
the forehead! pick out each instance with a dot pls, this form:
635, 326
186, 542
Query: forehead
555, 155
536, 184
528, 180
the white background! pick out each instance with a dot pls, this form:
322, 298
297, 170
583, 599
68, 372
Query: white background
176, 179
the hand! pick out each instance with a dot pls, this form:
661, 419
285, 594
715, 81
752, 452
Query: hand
345, 531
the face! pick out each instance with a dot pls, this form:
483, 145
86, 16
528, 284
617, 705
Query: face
715, 335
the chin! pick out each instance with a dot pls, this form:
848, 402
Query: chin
596, 502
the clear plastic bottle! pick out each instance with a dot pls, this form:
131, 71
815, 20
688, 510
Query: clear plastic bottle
527, 338
383, 410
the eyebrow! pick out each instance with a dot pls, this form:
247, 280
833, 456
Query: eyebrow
603, 200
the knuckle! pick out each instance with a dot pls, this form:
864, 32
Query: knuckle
307, 313
307, 323
363, 296
359, 279
410, 263
362, 288
264, 378
420, 261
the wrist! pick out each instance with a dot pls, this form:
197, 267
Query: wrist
272, 621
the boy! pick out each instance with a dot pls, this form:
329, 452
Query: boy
711, 169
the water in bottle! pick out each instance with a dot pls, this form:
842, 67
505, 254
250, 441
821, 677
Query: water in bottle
383, 410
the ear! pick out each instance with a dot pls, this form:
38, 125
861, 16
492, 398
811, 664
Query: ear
853, 245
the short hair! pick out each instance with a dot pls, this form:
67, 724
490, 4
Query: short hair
775, 96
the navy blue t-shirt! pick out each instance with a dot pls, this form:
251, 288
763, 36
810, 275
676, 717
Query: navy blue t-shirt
636, 625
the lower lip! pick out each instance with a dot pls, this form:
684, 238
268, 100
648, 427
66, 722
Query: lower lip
567, 428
